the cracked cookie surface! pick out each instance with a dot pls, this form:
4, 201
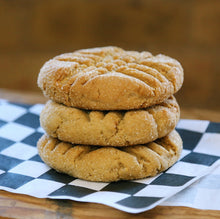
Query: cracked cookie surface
110, 78
110, 128
108, 164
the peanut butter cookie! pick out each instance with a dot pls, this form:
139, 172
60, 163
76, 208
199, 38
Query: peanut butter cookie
108, 164
110, 78
110, 128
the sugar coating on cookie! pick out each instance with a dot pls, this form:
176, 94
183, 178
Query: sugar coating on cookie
109, 128
110, 78
108, 164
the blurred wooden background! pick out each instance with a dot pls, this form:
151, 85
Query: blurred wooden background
31, 32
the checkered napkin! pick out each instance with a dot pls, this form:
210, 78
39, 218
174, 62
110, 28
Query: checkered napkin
22, 170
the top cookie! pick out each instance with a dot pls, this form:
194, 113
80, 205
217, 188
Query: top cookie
110, 78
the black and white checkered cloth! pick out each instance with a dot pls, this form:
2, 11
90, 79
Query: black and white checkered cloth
22, 170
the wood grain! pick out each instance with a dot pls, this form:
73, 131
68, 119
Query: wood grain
23, 206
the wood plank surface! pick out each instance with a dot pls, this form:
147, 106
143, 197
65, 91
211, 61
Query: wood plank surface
23, 206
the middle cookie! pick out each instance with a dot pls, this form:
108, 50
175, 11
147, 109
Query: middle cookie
110, 128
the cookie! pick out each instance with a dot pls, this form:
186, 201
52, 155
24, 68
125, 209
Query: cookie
110, 78
108, 164
110, 128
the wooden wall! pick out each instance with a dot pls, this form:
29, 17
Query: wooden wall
31, 32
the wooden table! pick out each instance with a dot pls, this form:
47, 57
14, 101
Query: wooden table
23, 206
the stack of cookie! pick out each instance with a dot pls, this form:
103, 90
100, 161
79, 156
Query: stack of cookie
111, 114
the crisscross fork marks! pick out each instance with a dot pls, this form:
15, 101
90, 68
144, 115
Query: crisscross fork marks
120, 62
110, 78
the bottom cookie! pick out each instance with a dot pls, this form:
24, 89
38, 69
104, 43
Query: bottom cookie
107, 164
